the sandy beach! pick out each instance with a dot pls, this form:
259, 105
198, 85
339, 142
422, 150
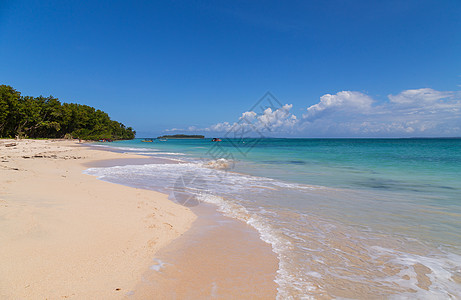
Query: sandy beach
68, 235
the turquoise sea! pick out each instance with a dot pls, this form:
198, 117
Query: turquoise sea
378, 214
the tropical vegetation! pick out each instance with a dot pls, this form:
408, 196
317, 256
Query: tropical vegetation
46, 117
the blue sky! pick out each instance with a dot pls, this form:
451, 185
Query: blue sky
344, 68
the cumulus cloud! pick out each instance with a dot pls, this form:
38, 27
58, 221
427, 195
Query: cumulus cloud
414, 112
278, 120
345, 101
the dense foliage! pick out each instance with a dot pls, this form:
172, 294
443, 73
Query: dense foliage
46, 117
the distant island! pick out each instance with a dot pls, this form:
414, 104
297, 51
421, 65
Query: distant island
46, 117
182, 136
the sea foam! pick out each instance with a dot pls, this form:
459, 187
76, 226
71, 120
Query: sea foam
313, 250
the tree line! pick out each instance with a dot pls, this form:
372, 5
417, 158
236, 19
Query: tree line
47, 117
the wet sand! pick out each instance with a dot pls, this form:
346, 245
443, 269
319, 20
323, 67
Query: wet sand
218, 257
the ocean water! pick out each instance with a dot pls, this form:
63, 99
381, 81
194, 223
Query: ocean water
347, 218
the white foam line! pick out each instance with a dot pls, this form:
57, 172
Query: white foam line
266, 233
441, 268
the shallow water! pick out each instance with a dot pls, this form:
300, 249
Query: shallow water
354, 218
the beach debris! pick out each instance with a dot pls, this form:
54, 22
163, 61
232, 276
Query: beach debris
118, 289
11, 145
45, 156
54, 156
9, 168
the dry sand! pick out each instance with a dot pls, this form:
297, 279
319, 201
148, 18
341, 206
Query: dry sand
66, 234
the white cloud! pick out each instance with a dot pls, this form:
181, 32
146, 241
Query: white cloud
248, 115
415, 112
220, 127
346, 101
277, 121
418, 97
173, 129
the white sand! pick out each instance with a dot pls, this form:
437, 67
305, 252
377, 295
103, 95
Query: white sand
65, 234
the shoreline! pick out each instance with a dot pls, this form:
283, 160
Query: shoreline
322, 249
168, 230
218, 256
68, 234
